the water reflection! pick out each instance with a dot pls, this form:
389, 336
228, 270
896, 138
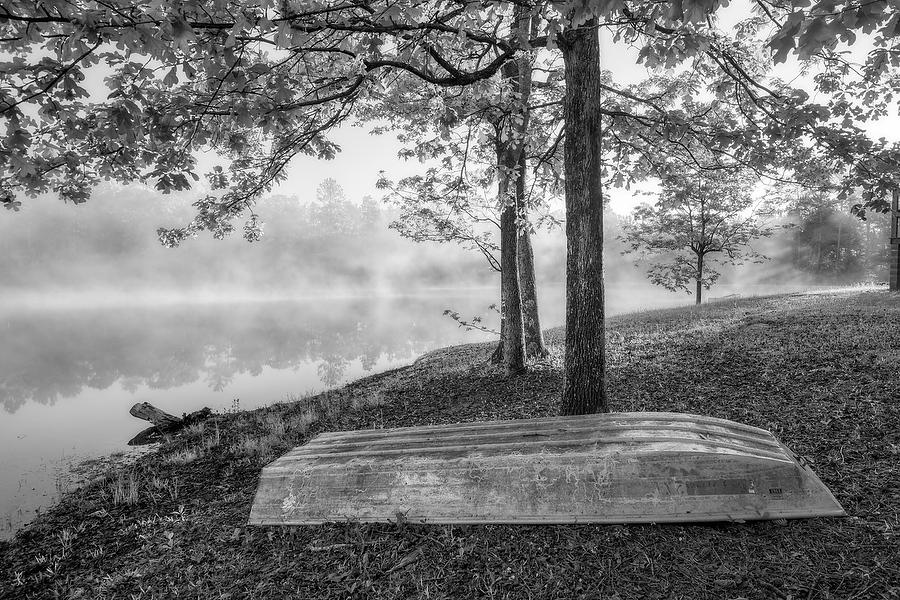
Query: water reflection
48, 355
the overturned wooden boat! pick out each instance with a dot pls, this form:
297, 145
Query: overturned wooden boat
606, 468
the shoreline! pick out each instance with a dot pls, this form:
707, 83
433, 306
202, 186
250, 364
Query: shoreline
800, 365
87, 470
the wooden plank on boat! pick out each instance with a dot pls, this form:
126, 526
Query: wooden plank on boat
608, 468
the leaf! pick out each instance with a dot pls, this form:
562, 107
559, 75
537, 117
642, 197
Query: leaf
182, 34
783, 41
171, 77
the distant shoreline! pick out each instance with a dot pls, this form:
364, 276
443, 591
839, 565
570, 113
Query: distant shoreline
98, 299
139, 298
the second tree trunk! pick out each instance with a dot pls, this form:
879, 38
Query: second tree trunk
699, 279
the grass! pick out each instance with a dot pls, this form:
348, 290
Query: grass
124, 491
819, 370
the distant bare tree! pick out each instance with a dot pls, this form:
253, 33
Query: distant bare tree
330, 191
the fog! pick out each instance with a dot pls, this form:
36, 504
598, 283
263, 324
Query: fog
105, 253
91, 298
96, 315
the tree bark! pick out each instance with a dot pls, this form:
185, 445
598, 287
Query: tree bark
534, 337
584, 389
497, 356
509, 148
510, 151
510, 299
795, 245
819, 243
838, 251
163, 422
699, 279
159, 418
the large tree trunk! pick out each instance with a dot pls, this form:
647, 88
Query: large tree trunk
894, 251
584, 391
534, 338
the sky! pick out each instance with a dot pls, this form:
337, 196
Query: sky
363, 155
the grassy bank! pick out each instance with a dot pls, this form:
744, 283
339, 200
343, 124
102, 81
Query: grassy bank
821, 371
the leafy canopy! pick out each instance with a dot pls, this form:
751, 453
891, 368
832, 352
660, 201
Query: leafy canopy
132, 91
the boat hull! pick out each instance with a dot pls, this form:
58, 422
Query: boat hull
608, 468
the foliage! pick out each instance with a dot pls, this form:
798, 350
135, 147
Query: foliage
754, 121
475, 323
332, 213
260, 82
462, 136
265, 83
829, 242
330, 192
464, 218
823, 238
699, 218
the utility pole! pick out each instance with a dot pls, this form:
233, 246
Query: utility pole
894, 267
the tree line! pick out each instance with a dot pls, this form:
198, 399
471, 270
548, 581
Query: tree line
327, 245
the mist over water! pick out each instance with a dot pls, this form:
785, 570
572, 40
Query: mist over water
106, 253
96, 315
69, 376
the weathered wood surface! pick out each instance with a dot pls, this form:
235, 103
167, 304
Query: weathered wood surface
163, 422
160, 418
609, 468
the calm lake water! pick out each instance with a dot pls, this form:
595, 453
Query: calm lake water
69, 374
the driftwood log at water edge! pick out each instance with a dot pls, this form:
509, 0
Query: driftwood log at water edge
163, 422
